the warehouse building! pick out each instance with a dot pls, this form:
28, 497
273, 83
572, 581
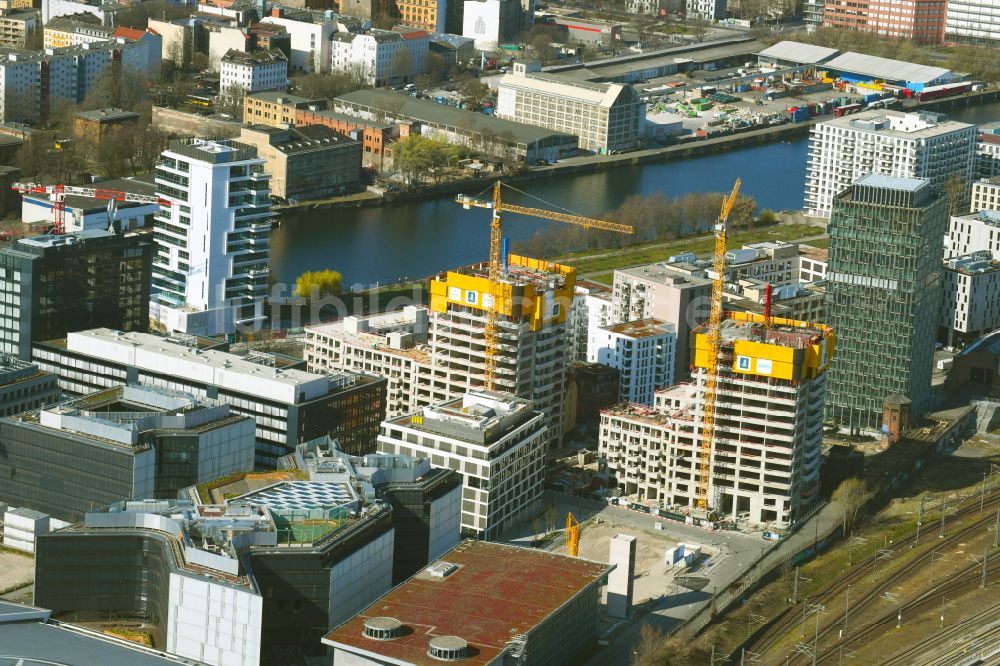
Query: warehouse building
482, 603
768, 431
497, 443
606, 117
290, 406
860, 67
497, 136
118, 444
219, 582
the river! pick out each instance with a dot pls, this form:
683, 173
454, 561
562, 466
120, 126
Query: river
411, 240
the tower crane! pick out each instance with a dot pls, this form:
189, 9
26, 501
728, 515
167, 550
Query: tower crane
58, 193
714, 323
497, 268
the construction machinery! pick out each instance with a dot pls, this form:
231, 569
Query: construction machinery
714, 324
572, 535
58, 193
497, 269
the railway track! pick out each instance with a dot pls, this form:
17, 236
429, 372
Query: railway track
927, 543
956, 631
964, 581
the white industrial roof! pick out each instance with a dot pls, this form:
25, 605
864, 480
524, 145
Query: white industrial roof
884, 68
798, 52
153, 353
604, 94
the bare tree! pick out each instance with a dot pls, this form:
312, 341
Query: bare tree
649, 648
700, 27
402, 64
852, 493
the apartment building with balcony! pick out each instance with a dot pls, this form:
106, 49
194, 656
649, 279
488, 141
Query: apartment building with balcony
766, 445
211, 266
975, 232
916, 144
970, 297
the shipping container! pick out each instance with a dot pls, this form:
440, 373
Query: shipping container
939, 92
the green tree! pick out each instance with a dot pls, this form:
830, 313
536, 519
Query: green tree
317, 284
417, 156
474, 93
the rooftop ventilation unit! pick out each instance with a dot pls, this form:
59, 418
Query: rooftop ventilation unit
448, 648
442, 569
382, 628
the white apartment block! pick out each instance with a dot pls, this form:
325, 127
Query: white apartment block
607, 117
910, 145
766, 448
973, 22
492, 22
645, 7
986, 194
391, 345
380, 56
211, 267
643, 351
774, 262
971, 290
657, 291
591, 309
494, 440
975, 232
253, 72
450, 359
711, 10
310, 42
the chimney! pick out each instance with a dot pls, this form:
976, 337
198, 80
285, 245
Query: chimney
277, 12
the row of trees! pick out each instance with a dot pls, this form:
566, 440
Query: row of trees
655, 218
417, 157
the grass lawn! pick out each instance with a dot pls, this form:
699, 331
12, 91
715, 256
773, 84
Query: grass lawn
600, 264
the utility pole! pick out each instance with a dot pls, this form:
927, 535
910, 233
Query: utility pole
941, 611
853, 541
889, 596
986, 553
936, 557
880, 554
920, 520
996, 530
847, 608
795, 586
982, 495
944, 512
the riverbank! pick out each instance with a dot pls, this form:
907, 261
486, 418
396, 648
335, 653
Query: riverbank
593, 163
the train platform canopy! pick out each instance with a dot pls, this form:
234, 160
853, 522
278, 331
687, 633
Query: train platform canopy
860, 67
788, 53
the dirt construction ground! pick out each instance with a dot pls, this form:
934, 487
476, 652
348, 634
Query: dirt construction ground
651, 576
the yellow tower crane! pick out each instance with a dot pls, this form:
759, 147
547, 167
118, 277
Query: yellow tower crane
714, 323
497, 269
572, 535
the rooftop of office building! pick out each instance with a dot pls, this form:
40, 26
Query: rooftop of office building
256, 373
641, 328
119, 416
29, 638
480, 417
400, 332
474, 600
909, 125
975, 263
667, 274
13, 370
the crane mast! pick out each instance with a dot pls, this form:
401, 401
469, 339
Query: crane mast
491, 333
712, 336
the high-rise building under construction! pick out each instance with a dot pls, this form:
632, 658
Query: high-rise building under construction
766, 444
430, 355
883, 295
